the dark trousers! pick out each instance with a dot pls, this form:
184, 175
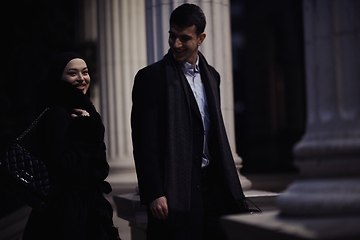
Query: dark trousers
214, 205
208, 203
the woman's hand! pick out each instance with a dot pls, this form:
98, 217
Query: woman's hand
159, 208
79, 113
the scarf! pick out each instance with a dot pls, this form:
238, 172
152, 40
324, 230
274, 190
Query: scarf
179, 146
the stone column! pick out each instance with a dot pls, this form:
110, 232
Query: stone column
121, 53
216, 48
329, 153
325, 202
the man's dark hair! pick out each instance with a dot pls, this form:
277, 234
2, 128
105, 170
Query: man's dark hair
188, 15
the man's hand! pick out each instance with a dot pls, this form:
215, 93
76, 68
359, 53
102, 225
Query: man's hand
159, 208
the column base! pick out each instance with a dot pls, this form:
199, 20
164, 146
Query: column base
265, 200
272, 226
321, 197
245, 183
122, 176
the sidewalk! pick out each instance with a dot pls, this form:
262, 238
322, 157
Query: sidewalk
122, 225
274, 182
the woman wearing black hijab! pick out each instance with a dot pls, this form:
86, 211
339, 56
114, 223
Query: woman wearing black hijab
70, 138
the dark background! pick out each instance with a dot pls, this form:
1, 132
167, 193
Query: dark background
32, 33
269, 85
268, 63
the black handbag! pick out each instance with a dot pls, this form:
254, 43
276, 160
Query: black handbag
26, 175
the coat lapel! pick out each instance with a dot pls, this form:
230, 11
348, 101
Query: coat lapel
210, 89
192, 101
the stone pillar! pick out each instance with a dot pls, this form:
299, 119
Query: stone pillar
122, 52
328, 156
216, 48
325, 202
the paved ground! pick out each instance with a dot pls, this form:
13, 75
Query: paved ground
127, 183
273, 182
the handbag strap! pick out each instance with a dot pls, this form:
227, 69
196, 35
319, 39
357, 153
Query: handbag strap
32, 125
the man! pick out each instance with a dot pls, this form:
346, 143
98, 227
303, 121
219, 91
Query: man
186, 174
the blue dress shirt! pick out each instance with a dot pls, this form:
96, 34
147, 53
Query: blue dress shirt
194, 79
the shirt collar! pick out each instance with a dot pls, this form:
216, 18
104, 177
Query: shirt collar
188, 67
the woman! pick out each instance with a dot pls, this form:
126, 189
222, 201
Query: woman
70, 138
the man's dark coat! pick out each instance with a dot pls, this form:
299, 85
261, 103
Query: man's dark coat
153, 103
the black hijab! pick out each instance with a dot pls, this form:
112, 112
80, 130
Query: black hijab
59, 63
54, 91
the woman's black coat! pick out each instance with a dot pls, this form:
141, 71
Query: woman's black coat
74, 151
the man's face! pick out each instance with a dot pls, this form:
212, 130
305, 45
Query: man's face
184, 43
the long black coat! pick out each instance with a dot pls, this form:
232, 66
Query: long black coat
150, 137
74, 151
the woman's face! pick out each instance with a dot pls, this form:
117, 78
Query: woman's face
77, 73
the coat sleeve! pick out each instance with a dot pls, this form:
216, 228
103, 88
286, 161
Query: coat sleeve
147, 123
